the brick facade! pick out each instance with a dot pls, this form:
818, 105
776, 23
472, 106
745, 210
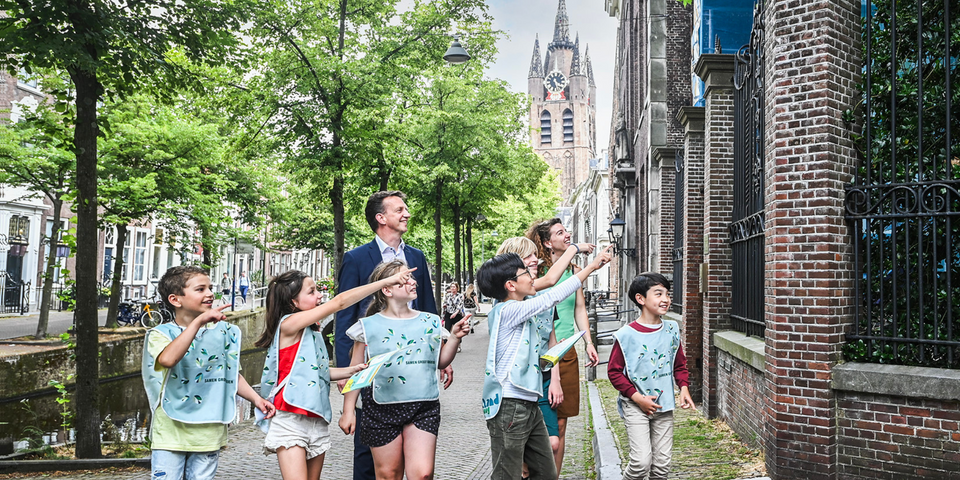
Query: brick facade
716, 71
693, 150
810, 81
740, 402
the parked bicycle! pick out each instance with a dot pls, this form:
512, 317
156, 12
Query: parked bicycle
221, 299
145, 314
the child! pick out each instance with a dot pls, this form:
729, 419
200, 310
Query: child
401, 410
645, 361
513, 383
191, 372
552, 393
296, 374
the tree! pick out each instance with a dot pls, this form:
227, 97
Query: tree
36, 153
109, 49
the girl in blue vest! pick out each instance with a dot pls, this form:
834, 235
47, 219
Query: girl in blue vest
401, 410
646, 360
296, 374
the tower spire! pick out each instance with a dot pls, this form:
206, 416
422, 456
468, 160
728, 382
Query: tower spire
576, 66
561, 28
536, 67
589, 65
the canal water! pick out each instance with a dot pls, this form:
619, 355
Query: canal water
123, 401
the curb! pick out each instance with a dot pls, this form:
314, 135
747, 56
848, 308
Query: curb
605, 452
18, 466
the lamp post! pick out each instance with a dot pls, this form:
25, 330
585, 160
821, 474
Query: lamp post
616, 230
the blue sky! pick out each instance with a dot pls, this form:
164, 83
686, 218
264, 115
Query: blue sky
522, 20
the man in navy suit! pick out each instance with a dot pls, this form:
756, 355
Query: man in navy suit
387, 214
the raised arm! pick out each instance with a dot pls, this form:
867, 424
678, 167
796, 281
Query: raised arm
300, 320
556, 271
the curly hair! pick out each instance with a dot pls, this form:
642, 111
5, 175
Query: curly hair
539, 232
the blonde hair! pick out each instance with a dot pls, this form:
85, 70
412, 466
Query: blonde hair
384, 270
522, 246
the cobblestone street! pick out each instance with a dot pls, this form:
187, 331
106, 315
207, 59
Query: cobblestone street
463, 447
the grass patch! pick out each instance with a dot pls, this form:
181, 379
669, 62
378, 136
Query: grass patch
702, 448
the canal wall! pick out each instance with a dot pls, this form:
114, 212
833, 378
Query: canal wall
28, 373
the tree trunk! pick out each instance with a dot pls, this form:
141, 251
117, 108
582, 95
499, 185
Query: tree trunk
470, 270
48, 275
438, 244
339, 230
113, 308
457, 265
87, 394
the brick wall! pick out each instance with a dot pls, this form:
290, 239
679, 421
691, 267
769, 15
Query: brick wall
693, 250
890, 437
740, 400
812, 69
717, 215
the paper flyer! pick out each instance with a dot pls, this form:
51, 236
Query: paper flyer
559, 350
364, 377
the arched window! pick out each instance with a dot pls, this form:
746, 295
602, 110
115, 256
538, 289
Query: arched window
567, 126
545, 138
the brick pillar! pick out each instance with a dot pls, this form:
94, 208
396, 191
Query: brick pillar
716, 71
812, 65
691, 119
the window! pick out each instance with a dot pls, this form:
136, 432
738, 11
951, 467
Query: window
545, 138
23, 78
19, 229
139, 256
126, 258
567, 126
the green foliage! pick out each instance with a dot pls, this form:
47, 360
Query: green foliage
63, 399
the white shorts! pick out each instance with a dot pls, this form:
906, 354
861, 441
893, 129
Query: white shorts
294, 430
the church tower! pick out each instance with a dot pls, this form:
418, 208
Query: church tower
562, 110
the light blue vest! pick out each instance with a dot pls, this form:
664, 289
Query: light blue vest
202, 386
308, 384
545, 324
525, 372
411, 375
649, 360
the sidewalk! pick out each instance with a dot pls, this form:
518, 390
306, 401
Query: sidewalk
463, 447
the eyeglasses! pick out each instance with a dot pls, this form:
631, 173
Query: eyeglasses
517, 276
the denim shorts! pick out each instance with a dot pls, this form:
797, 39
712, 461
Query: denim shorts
169, 465
295, 430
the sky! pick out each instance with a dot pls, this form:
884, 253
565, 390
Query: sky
522, 20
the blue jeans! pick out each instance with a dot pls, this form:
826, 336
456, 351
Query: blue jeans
168, 465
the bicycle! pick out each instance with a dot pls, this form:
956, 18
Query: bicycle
128, 313
152, 317
221, 299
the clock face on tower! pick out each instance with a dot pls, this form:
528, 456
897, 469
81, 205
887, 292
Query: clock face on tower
555, 81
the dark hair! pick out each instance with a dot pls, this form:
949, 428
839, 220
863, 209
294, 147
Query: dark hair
375, 206
378, 300
175, 280
644, 282
281, 292
494, 273
539, 232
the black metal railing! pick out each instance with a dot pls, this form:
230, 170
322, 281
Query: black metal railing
678, 224
746, 230
904, 205
13, 294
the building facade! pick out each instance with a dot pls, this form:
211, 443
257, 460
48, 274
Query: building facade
562, 110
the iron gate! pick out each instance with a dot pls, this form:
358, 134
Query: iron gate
746, 230
904, 205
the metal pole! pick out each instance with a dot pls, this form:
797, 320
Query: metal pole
592, 322
233, 288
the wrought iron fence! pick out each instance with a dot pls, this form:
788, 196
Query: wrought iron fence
746, 230
14, 294
678, 224
904, 205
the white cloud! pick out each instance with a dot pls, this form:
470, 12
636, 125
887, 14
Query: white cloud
522, 20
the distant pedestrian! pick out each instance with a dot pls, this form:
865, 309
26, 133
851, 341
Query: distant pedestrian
244, 285
296, 373
225, 285
513, 384
646, 360
401, 410
452, 306
470, 305
191, 372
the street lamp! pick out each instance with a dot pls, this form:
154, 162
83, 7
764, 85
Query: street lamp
616, 230
456, 54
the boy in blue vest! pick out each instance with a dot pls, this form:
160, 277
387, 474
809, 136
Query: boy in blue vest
191, 371
645, 361
513, 383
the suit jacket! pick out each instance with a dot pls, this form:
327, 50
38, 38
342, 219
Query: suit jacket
357, 266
